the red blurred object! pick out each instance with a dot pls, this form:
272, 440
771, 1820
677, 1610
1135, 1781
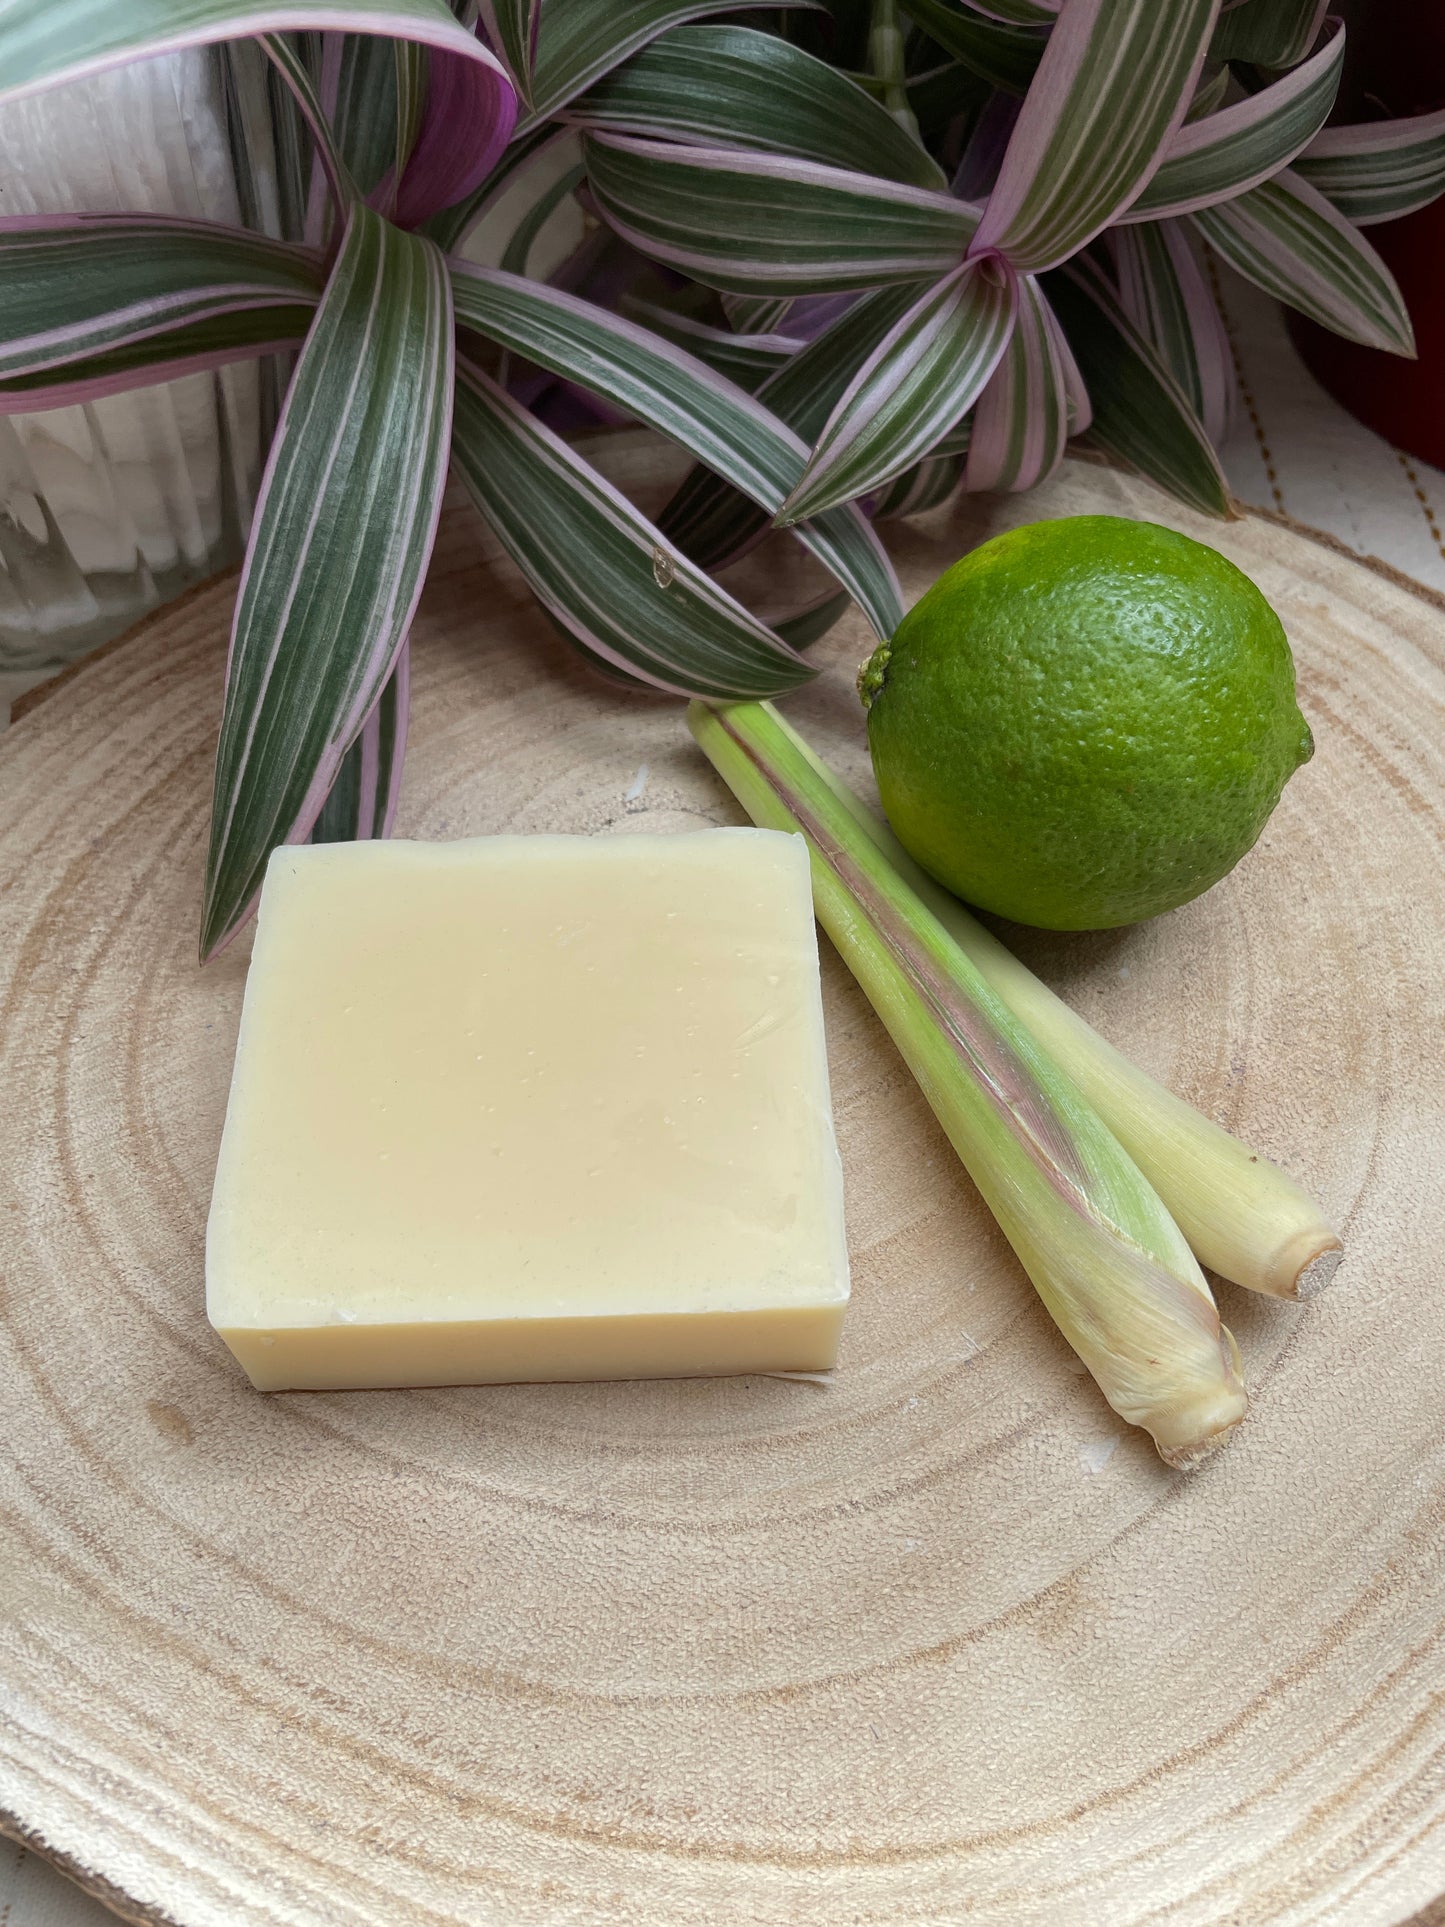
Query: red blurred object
1395, 65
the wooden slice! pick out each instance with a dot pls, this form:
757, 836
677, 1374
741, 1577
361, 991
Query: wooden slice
937, 1641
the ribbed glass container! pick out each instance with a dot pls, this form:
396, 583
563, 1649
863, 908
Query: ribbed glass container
112, 506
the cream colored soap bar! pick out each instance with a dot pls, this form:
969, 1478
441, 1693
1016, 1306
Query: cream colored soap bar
530, 1108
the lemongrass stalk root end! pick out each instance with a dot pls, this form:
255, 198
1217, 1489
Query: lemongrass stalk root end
1317, 1272
1187, 1458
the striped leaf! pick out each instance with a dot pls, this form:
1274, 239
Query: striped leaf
1269, 33
409, 59
1006, 56
343, 529
734, 87
804, 627
451, 226
512, 26
799, 630
1112, 90
805, 391
43, 41
1210, 91
660, 384
1078, 408
359, 93
1141, 416
1164, 292
445, 117
921, 487
956, 441
467, 116
1021, 13
759, 224
363, 798
1021, 422
519, 243
314, 78
756, 313
746, 359
78, 286
190, 349
707, 517
1380, 170
1236, 148
1287, 238
924, 374
598, 566
281, 131
578, 41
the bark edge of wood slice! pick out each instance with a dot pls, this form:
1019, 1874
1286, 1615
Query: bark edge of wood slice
938, 1641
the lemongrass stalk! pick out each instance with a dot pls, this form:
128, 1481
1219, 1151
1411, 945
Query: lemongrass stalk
1243, 1217
1103, 1253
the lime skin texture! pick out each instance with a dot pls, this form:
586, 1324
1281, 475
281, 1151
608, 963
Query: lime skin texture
1084, 722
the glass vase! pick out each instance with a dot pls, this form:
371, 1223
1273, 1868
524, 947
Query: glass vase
109, 507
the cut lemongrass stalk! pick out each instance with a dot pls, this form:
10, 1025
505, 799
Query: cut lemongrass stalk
1243, 1217
1108, 1261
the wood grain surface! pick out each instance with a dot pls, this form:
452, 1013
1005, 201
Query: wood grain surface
935, 1642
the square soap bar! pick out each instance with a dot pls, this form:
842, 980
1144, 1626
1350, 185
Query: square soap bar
532, 1107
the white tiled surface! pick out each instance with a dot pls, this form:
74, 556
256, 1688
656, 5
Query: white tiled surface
1292, 450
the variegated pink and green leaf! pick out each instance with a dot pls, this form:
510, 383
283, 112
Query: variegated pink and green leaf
450, 226
804, 626
1006, 54
581, 40
1269, 33
1141, 415
1021, 422
410, 60
659, 383
1111, 91
512, 26
921, 487
367, 787
762, 224
1380, 169
1236, 148
760, 314
1164, 292
240, 334
925, 373
82, 287
1211, 90
523, 237
599, 566
1022, 13
467, 115
728, 86
343, 531
362, 106
746, 359
1289, 240
44, 41
311, 66
707, 517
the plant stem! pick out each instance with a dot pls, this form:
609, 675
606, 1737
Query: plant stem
886, 62
1243, 1217
1103, 1253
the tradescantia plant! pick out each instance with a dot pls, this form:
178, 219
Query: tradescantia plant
848, 257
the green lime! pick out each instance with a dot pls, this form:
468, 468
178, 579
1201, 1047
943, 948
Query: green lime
1084, 722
